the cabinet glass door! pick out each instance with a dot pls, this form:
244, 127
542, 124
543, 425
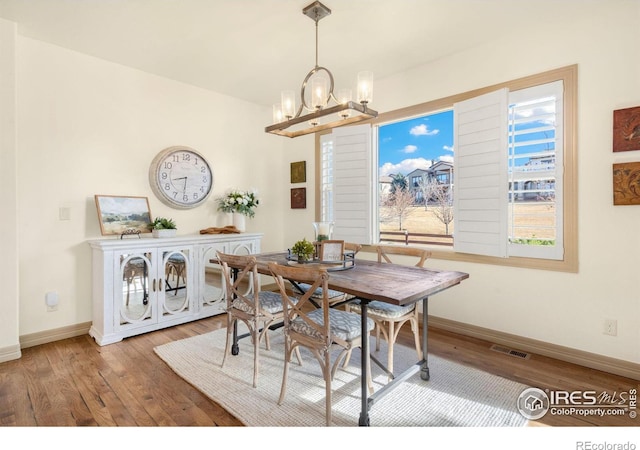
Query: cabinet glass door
175, 292
134, 272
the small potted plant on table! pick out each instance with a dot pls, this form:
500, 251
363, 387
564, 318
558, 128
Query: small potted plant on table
163, 227
304, 250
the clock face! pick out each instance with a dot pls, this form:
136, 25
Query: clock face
181, 177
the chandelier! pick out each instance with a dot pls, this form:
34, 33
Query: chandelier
321, 109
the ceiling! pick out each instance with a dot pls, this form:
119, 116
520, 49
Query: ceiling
253, 49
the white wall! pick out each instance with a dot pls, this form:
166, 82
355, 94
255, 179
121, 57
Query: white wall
87, 126
560, 308
9, 346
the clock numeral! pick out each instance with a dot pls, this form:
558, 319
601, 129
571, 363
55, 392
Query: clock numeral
203, 169
163, 175
185, 198
167, 186
195, 195
205, 179
186, 157
167, 165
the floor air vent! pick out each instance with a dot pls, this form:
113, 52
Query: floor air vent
508, 351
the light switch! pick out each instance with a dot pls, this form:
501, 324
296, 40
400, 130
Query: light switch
64, 213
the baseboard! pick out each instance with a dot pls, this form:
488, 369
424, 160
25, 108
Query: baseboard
10, 353
44, 337
574, 356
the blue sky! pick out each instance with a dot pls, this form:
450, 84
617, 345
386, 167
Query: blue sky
412, 144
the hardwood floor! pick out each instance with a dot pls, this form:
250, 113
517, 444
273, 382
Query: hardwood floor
75, 382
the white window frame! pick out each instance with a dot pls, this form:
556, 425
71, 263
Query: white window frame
568, 262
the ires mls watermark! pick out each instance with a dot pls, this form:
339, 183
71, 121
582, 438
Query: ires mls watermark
534, 403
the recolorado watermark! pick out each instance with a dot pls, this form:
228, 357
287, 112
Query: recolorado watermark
588, 445
534, 403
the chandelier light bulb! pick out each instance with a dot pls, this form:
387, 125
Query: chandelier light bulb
288, 104
277, 113
365, 87
344, 97
319, 93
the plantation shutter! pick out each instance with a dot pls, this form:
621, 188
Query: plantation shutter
536, 163
353, 188
481, 181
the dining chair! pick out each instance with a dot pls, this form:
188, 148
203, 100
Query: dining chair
256, 308
317, 329
390, 318
334, 296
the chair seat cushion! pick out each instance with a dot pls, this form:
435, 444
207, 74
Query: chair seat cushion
317, 294
344, 325
384, 310
270, 302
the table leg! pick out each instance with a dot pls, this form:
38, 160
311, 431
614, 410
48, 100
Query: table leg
364, 354
424, 371
235, 348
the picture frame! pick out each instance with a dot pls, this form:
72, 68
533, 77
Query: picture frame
299, 172
331, 251
626, 129
123, 215
626, 183
298, 198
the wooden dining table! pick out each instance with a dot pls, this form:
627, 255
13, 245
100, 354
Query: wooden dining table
396, 284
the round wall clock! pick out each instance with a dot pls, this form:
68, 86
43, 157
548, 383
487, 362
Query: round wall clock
181, 177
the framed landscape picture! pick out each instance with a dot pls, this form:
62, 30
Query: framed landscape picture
119, 214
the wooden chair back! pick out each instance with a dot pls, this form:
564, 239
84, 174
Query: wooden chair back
242, 287
352, 247
384, 252
316, 278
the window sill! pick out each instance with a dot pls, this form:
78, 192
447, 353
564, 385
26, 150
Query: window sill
569, 264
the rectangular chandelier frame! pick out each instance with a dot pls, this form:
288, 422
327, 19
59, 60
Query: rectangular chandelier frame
364, 114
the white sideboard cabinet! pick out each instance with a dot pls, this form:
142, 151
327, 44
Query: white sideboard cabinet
141, 285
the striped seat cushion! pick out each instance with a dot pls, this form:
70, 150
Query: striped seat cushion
270, 302
344, 325
317, 294
384, 310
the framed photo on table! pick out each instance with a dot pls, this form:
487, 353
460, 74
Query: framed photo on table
331, 251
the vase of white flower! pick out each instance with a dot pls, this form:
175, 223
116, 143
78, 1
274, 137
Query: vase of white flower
241, 204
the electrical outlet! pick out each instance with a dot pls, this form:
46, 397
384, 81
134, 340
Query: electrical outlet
51, 300
610, 327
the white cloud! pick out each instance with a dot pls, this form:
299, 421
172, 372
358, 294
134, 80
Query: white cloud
448, 148
422, 130
409, 149
405, 166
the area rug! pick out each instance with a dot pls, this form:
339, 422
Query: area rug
455, 395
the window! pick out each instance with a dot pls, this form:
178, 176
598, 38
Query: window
535, 193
